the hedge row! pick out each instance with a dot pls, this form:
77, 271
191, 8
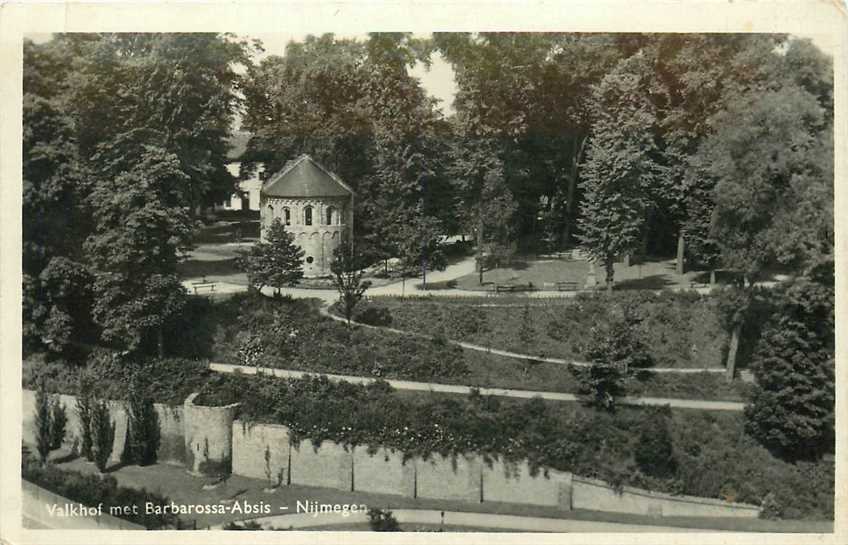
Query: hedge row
712, 455
93, 490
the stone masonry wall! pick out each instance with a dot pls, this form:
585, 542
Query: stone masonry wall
599, 496
251, 442
329, 466
449, 478
515, 483
212, 433
208, 434
383, 472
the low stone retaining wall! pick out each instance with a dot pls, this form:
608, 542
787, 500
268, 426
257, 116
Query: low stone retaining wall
203, 437
600, 496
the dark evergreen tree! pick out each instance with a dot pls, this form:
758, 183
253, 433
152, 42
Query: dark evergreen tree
143, 434
791, 409
43, 423
277, 262
102, 434
616, 351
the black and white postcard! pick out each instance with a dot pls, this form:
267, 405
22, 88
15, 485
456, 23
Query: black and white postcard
317, 271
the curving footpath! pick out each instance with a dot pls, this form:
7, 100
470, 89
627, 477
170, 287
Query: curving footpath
515, 355
465, 390
460, 519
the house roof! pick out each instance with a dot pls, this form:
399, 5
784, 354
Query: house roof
304, 177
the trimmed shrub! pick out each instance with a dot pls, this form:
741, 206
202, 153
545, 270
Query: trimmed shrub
143, 435
58, 422
380, 520
85, 408
43, 428
103, 434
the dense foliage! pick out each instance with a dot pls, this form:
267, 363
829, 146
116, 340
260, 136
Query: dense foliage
792, 405
92, 490
276, 261
615, 352
125, 138
713, 457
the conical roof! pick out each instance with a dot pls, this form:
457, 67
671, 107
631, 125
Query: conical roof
304, 177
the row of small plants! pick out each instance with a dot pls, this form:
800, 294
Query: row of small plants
96, 433
681, 329
92, 490
697, 453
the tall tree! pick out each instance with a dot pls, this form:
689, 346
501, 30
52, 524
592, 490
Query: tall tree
768, 158
143, 230
621, 164
791, 409
277, 263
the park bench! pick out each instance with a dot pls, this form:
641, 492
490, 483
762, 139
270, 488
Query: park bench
566, 286
510, 288
203, 284
500, 288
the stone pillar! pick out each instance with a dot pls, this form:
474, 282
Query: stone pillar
208, 437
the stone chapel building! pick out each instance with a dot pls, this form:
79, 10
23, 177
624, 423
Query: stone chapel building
315, 206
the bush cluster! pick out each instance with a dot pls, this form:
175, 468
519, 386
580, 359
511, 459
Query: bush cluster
93, 489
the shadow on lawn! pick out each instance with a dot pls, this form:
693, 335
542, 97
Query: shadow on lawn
195, 267
652, 282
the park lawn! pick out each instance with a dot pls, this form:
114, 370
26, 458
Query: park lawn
654, 274
681, 330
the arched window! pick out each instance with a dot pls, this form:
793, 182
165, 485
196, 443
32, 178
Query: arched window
307, 215
287, 216
332, 216
270, 217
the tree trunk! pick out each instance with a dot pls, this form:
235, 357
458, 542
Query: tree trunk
570, 192
160, 342
610, 274
423, 275
731, 352
480, 244
712, 277
681, 247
